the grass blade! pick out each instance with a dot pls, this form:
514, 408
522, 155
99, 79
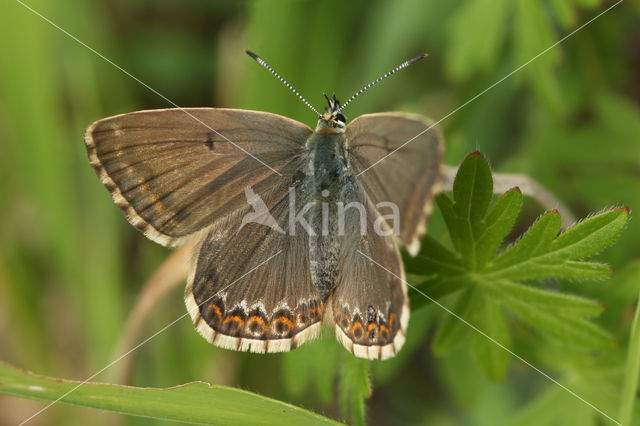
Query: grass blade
195, 402
630, 389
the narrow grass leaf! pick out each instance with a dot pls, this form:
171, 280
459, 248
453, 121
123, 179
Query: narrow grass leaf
196, 402
630, 387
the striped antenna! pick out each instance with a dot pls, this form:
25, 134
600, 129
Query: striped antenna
379, 79
261, 61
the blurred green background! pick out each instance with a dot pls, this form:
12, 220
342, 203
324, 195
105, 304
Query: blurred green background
71, 266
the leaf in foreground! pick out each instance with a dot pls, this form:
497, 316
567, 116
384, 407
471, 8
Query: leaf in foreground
195, 402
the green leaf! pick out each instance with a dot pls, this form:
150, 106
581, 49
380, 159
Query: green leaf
491, 283
437, 288
490, 320
434, 258
196, 402
315, 365
498, 223
355, 387
534, 243
537, 269
568, 329
469, 54
472, 191
564, 11
533, 34
632, 371
453, 330
538, 255
473, 188
445, 204
591, 235
570, 305
587, 3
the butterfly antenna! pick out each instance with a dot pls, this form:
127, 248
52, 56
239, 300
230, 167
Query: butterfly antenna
379, 79
261, 61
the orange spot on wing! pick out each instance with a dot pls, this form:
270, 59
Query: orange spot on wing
392, 317
372, 326
356, 325
284, 320
216, 310
236, 318
258, 320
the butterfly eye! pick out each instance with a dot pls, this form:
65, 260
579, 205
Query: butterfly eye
341, 118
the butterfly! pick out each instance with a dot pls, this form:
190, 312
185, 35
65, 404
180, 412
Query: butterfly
185, 175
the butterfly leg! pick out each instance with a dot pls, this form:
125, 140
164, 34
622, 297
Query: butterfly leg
529, 187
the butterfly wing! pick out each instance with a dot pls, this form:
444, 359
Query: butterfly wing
173, 176
369, 305
408, 177
251, 289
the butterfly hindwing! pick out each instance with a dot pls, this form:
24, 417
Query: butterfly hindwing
173, 176
238, 303
408, 177
369, 305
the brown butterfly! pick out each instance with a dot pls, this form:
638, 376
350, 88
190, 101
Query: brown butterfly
185, 175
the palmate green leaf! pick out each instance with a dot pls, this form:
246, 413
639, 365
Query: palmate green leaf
565, 326
491, 283
539, 254
436, 288
497, 224
434, 259
566, 303
485, 315
491, 356
197, 402
472, 190
452, 330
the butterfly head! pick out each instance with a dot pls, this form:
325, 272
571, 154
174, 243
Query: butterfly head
332, 120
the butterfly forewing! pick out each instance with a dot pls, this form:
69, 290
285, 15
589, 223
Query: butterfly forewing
408, 177
173, 175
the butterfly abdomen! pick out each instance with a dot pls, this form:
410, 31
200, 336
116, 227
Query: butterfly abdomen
328, 172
